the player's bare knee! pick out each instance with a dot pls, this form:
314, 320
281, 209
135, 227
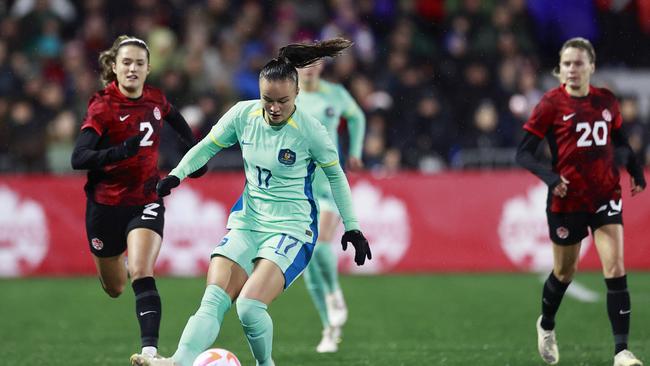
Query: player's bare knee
113, 290
614, 271
325, 237
138, 273
565, 274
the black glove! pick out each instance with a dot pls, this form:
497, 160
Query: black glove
198, 173
639, 179
165, 185
361, 247
130, 146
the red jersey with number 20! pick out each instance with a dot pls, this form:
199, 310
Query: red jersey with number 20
578, 130
115, 118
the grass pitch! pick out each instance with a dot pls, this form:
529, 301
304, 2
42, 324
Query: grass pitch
459, 319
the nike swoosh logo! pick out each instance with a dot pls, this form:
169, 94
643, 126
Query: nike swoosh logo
122, 118
567, 117
623, 312
612, 213
142, 313
147, 217
246, 143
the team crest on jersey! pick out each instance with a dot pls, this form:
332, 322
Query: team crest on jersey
156, 113
607, 115
562, 232
329, 111
287, 157
97, 244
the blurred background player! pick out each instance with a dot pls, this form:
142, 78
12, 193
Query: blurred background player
118, 144
329, 102
582, 125
274, 225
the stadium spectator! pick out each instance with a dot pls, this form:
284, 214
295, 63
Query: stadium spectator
61, 134
634, 129
118, 145
374, 146
273, 227
583, 125
222, 44
28, 138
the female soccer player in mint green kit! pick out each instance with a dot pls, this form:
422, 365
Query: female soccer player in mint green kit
328, 102
273, 226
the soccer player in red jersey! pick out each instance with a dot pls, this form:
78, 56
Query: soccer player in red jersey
582, 126
118, 145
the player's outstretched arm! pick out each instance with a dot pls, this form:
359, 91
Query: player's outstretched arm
86, 155
196, 158
343, 199
356, 122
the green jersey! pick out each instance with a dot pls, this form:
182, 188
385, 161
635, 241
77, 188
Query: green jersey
328, 104
279, 162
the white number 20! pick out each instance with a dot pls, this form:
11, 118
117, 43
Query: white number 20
146, 126
596, 136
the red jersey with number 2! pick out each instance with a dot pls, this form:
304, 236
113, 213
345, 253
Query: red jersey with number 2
115, 118
579, 130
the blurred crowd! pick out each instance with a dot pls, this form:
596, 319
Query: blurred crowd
445, 84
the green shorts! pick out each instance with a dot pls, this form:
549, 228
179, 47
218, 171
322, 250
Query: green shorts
245, 246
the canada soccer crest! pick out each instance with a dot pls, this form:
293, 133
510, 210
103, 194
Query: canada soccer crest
97, 243
607, 115
156, 113
562, 232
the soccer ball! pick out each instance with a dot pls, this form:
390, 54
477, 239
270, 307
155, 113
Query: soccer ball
216, 357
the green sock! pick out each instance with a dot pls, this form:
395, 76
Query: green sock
328, 263
316, 287
258, 328
203, 327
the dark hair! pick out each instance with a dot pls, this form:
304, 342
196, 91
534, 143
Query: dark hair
576, 42
299, 55
108, 57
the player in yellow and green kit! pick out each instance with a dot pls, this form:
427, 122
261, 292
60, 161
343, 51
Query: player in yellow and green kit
274, 224
328, 102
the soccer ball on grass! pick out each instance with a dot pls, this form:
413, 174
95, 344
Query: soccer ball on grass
216, 357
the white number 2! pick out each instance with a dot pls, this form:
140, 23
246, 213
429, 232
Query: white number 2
146, 126
149, 209
596, 136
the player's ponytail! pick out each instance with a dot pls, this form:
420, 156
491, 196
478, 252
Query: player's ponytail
301, 55
108, 57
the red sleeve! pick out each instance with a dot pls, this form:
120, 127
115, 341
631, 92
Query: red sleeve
96, 115
166, 107
158, 97
541, 119
616, 114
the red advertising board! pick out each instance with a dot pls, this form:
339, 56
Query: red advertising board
478, 221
